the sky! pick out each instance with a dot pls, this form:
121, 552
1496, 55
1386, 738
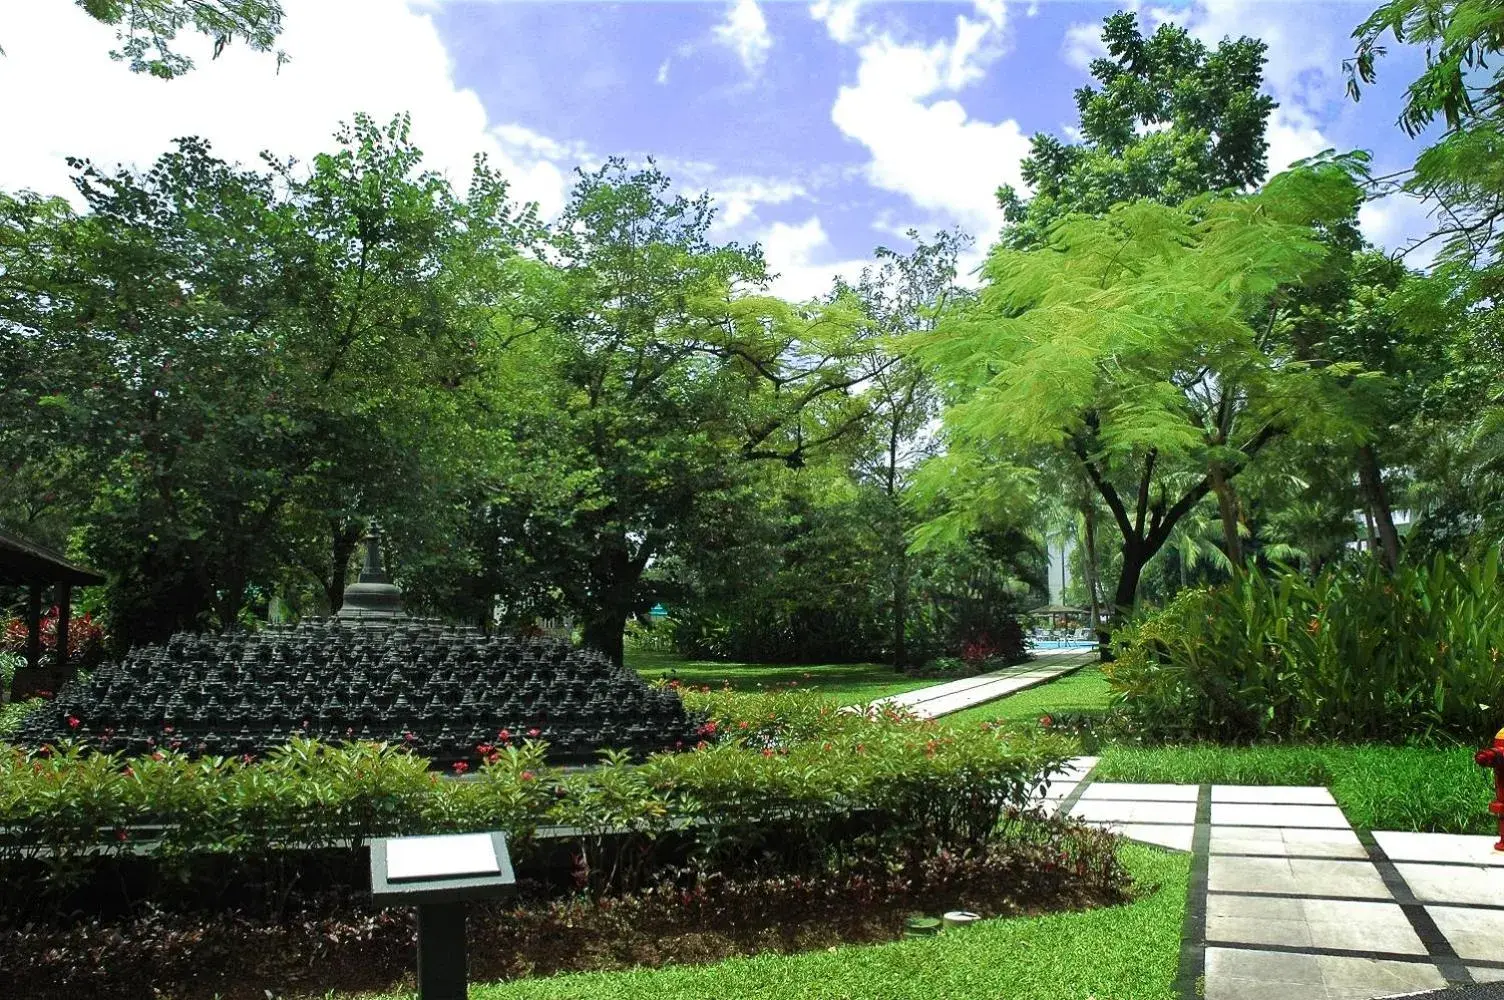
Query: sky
821, 130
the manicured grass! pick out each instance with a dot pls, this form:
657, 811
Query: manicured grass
852, 683
1117, 953
1379, 787
1083, 691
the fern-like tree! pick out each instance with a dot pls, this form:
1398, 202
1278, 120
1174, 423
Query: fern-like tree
1125, 344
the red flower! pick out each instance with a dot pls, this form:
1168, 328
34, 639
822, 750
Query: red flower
1046, 721
526, 776
73, 722
484, 749
742, 724
534, 733
157, 755
247, 758
767, 752
166, 729
122, 836
505, 735
408, 737
460, 767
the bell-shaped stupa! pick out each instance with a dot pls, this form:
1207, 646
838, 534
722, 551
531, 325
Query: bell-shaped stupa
369, 673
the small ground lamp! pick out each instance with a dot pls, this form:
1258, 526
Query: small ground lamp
439, 875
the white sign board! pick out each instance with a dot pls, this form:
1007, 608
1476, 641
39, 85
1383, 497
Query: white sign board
453, 856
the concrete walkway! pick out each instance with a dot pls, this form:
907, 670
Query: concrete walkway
952, 696
1288, 902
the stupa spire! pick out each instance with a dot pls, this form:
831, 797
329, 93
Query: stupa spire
375, 596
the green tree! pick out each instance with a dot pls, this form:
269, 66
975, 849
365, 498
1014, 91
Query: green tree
658, 371
1126, 342
1168, 120
903, 294
148, 29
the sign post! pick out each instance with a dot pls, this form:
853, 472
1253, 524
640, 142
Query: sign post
439, 875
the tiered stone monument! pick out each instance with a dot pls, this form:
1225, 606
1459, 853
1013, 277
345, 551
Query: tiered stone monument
370, 673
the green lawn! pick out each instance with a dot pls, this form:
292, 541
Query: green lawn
1083, 691
852, 683
1379, 787
1118, 953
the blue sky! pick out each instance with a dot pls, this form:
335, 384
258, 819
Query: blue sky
822, 128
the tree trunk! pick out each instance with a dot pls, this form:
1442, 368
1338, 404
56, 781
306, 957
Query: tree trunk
1089, 564
605, 632
1227, 506
901, 613
1123, 600
345, 539
1371, 477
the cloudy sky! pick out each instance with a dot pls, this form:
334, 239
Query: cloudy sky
822, 129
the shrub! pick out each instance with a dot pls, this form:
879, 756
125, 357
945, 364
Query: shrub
1363, 656
798, 791
85, 638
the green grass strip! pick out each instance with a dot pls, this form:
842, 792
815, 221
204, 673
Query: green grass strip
1118, 953
851, 683
1426, 789
1083, 691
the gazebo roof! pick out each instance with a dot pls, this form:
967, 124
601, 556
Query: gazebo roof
24, 562
1057, 609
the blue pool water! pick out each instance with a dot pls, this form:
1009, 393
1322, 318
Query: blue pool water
1061, 643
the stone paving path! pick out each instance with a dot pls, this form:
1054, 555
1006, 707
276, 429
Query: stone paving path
953, 696
1288, 902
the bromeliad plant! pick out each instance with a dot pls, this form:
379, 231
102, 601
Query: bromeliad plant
1364, 655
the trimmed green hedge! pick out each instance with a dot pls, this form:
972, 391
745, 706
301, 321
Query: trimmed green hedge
810, 787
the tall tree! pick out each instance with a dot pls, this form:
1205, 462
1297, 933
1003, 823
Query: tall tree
1126, 343
1169, 119
661, 372
904, 293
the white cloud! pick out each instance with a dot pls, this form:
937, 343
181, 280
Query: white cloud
925, 148
1396, 223
1082, 44
790, 250
1293, 135
745, 32
737, 198
377, 56
663, 72
839, 18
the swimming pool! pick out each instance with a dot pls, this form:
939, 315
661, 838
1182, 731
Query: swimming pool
1061, 643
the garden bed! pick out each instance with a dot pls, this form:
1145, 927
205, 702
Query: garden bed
339, 942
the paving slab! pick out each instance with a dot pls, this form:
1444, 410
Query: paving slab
1452, 847
1282, 841
1341, 925
1477, 884
1176, 838
1140, 792
953, 696
1308, 795
1251, 974
1295, 877
1259, 814
1121, 811
1486, 975
1473, 933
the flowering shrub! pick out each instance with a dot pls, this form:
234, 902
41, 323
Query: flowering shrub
798, 791
85, 636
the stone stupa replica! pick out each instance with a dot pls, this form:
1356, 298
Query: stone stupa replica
370, 673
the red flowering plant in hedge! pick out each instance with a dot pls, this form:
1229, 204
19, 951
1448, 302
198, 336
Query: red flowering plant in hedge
85, 636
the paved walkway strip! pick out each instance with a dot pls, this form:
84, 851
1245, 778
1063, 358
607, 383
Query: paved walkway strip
1288, 902
953, 696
